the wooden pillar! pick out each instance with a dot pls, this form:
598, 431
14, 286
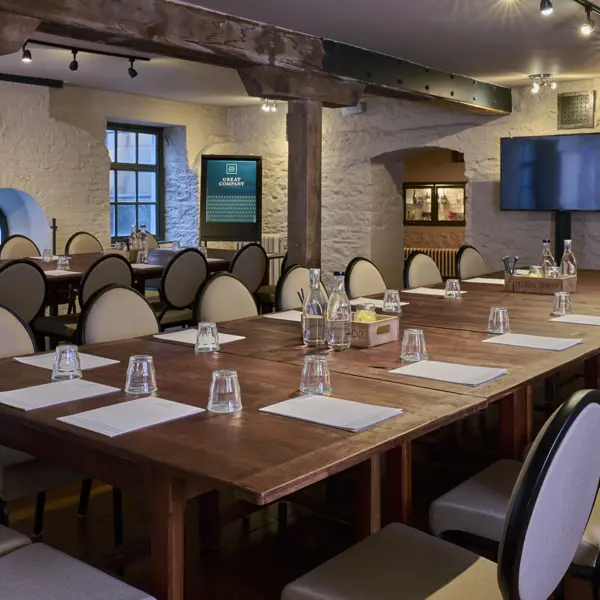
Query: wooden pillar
304, 127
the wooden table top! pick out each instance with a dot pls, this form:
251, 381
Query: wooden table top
263, 456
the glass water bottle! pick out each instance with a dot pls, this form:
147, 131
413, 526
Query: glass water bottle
568, 264
546, 258
143, 239
339, 315
314, 312
133, 238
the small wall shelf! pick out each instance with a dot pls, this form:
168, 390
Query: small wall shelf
434, 204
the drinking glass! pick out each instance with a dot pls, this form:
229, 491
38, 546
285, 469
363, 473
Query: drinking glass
391, 301
141, 376
47, 255
207, 339
66, 363
225, 395
63, 263
452, 291
142, 257
562, 304
553, 272
498, 321
315, 375
176, 245
413, 346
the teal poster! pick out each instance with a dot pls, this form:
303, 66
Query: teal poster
231, 191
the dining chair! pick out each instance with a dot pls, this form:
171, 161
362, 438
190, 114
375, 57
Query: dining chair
223, 297
547, 515
16, 338
116, 312
363, 278
18, 246
151, 241
420, 269
82, 242
181, 280
250, 265
11, 540
39, 572
106, 270
293, 281
23, 288
266, 293
470, 263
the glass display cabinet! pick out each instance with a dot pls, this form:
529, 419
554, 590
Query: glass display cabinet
434, 204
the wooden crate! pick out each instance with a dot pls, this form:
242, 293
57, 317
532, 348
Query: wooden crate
539, 285
382, 331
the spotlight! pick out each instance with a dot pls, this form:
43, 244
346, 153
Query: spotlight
74, 64
269, 105
553, 85
132, 72
26, 54
546, 7
588, 26
535, 87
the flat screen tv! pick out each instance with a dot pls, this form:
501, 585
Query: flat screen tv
231, 198
553, 172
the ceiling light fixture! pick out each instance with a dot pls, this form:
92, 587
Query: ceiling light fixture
588, 25
74, 63
132, 72
26, 54
542, 81
546, 7
269, 105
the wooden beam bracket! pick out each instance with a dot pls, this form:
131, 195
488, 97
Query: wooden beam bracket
15, 31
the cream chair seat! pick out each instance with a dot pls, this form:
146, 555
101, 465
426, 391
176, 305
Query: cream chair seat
18, 246
223, 297
250, 265
420, 270
11, 540
296, 278
363, 278
470, 263
82, 242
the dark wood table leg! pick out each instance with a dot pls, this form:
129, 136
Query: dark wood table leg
516, 422
368, 498
167, 498
398, 477
590, 369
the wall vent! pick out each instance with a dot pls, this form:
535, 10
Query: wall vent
576, 110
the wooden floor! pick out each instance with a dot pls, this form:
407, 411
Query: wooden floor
258, 558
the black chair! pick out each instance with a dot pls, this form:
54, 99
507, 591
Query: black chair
249, 265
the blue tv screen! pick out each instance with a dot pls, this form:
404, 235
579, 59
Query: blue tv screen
553, 172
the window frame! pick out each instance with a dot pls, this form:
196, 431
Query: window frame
158, 169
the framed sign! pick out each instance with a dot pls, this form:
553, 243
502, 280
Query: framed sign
231, 198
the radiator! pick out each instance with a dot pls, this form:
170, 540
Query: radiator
445, 258
274, 244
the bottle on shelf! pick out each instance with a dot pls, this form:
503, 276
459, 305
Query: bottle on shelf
546, 259
339, 315
314, 312
568, 264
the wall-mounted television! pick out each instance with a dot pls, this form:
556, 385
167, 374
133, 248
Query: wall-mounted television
231, 198
552, 172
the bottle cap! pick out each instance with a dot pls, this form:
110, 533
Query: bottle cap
338, 273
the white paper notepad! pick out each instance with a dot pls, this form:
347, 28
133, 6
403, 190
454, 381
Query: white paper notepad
538, 342
450, 372
427, 291
484, 280
288, 315
142, 266
49, 394
578, 319
45, 361
61, 273
333, 412
188, 336
130, 416
54, 257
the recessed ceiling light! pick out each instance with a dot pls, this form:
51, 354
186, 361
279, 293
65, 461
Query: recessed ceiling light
26, 54
546, 7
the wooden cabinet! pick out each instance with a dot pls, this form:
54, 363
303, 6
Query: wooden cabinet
434, 204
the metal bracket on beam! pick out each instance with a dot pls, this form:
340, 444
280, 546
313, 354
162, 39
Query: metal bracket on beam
412, 79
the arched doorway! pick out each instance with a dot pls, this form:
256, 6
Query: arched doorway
23, 215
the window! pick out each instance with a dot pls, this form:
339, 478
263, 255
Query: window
136, 179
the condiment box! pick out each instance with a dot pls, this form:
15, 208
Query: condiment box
539, 285
382, 331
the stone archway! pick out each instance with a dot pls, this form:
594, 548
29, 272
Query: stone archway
25, 216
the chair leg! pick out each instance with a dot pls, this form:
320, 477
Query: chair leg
38, 520
596, 589
84, 497
3, 513
117, 517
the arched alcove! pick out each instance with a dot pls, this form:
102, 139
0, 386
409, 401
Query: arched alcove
25, 216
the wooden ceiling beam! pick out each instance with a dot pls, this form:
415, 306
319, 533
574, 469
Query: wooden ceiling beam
15, 30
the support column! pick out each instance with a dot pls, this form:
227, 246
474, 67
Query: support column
304, 127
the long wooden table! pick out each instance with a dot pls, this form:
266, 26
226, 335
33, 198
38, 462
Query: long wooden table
264, 457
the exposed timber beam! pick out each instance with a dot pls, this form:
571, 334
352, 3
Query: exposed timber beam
178, 29
14, 31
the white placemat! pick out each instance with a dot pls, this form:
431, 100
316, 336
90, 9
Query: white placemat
54, 257
143, 266
188, 336
61, 273
215, 260
538, 342
578, 319
288, 315
427, 291
49, 394
333, 412
130, 416
484, 280
450, 372
44, 361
